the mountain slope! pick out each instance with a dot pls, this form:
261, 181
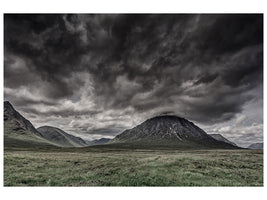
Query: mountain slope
168, 131
98, 142
18, 131
256, 146
60, 138
219, 137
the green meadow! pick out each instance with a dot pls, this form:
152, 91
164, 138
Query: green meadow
131, 167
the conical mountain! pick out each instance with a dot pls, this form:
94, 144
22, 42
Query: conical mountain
60, 138
168, 131
19, 131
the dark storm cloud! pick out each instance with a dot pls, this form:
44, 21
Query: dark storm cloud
198, 66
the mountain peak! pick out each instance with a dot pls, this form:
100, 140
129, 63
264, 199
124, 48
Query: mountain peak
7, 103
166, 117
8, 106
10, 114
49, 128
168, 130
18, 130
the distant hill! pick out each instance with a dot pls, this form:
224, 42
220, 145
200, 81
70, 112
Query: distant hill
256, 146
19, 131
157, 132
167, 131
219, 137
98, 142
60, 138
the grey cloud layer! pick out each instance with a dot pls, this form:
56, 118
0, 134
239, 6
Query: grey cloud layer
203, 67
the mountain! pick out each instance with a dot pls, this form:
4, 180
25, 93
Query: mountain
19, 131
256, 146
98, 142
168, 132
219, 137
60, 138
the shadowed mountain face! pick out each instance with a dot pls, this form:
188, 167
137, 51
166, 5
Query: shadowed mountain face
161, 131
14, 117
19, 131
60, 138
256, 146
98, 142
219, 137
168, 131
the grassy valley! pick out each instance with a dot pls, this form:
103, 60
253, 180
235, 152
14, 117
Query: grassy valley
15, 136
163, 151
133, 99
125, 167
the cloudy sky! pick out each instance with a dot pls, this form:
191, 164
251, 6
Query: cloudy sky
97, 75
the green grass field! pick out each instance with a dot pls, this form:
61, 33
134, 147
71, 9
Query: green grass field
111, 167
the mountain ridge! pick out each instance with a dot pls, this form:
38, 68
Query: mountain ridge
219, 137
10, 114
60, 137
18, 131
160, 131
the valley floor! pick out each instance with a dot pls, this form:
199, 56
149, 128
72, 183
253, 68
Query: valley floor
107, 167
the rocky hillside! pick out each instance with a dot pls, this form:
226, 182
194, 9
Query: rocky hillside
219, 137
60, 138
168, 131
19, 131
